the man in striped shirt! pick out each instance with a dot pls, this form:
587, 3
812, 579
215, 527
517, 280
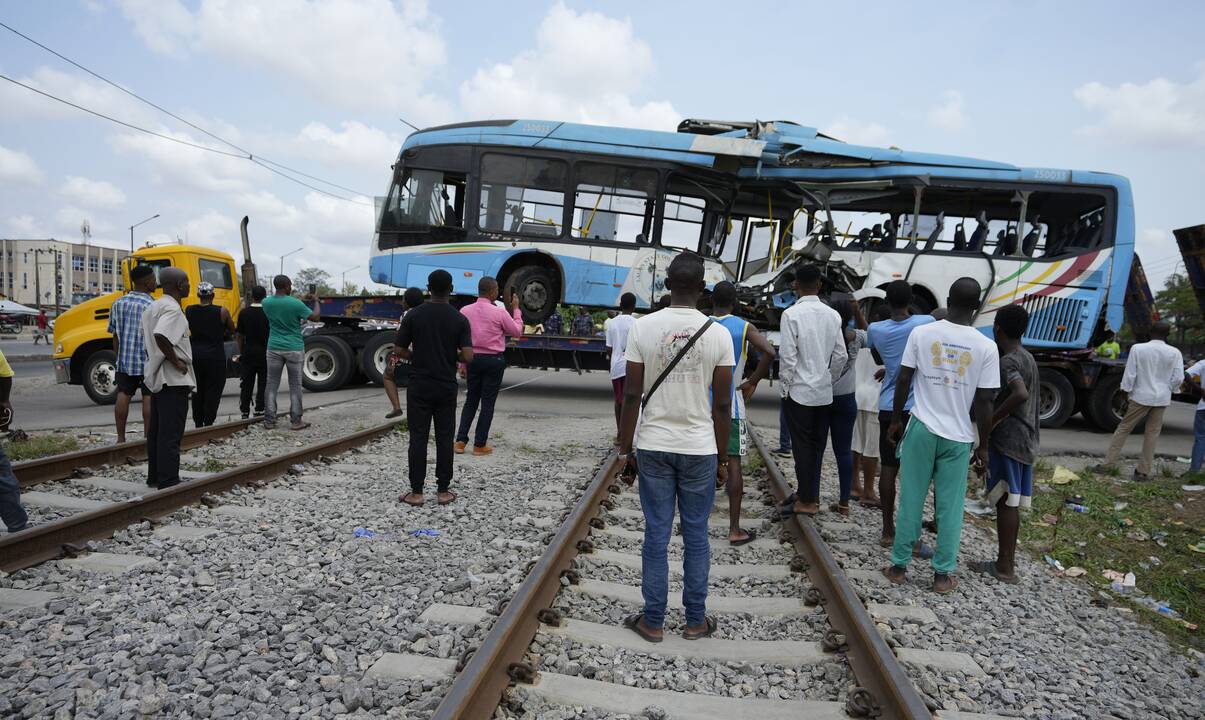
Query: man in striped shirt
125, 325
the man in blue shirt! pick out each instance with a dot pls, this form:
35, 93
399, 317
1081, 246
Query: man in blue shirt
125, 325
886, 340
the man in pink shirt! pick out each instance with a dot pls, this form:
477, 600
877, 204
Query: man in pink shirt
491, 325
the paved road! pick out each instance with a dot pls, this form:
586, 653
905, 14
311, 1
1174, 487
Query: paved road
40, 404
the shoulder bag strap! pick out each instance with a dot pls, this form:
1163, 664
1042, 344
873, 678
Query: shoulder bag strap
673, 363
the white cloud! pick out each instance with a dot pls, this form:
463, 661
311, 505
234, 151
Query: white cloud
1159, 113
948, 114
19, 102
181, 167
856, 132
354, 143
24, 226
93, 193
17, 167
354, 53
585, 67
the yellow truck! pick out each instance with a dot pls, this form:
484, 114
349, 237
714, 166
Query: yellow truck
83, 347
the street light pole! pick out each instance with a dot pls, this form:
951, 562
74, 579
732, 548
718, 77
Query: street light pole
343, 278
136, 225
282, 258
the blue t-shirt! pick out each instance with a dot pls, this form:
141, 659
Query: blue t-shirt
888, 338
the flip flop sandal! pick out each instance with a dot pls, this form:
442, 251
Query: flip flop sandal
839, 508
866, 503
711, 626
790, 500
412, 504
445, 502
632, 622
750, 536
393, 414
988, 567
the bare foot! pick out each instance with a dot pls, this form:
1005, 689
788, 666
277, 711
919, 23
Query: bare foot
737, 534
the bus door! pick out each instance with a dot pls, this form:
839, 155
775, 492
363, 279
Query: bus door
759, 245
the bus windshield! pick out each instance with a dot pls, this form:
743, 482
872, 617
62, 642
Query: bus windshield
421, 204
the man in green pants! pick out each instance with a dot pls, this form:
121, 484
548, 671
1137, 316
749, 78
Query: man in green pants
956, 368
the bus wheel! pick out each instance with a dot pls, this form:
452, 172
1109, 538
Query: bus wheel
537, 291
326, 363
1056, 398
375, 355
1103, 406
100, 377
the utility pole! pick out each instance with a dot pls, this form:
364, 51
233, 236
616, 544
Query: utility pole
37, 276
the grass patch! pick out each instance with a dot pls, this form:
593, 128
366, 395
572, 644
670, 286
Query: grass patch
213, 466
1145, 528
39, 446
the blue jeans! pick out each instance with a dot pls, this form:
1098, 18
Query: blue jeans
688, 480
484, 380
841, 419
1198, 443
784, 433
11, 512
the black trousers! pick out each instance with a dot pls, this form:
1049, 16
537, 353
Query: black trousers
169, 415
808, 425
428, 402
210, 371
484, 379
254, 376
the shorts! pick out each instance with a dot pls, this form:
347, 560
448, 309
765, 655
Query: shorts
866, 434
738, 439
130, 384
617, 386
887, 456
1008, 476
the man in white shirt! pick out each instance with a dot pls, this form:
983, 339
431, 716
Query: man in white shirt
616, 331
169, 377
1154, 370
811, 357
682, 450
955, 368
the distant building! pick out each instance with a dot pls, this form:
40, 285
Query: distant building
57, 270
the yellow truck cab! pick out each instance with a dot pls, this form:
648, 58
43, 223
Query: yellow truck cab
83, 347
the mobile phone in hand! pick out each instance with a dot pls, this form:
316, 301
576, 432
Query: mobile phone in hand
312, 289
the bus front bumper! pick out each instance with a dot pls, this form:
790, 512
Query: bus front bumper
62, 370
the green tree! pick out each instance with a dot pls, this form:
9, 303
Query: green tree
313, 276
1177, 304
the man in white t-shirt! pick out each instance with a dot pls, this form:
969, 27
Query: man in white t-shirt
683, 443
1154, 370
616, 331
1195, 375
951, 368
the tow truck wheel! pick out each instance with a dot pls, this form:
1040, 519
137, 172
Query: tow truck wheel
326, 363
1103, 406
1056, 398
537, 291
100, 377
375, 355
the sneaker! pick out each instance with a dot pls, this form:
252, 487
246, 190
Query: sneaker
458, 448
299, 425
483, 450
269, 425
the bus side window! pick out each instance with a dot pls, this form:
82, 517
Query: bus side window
613, 203
522, 195
682, 222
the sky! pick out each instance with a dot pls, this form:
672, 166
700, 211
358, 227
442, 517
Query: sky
320, 86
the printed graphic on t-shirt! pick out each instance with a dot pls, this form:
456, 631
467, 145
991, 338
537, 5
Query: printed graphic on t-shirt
687, 369
951, 361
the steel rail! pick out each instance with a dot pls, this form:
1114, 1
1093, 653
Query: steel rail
874, 665
478, 688
61, 467
47, 542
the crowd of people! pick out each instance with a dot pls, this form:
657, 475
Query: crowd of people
909, 403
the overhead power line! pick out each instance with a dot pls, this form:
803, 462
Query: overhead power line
243, 153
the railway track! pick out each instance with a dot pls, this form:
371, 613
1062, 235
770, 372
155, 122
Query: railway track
66, 465
574, 594
98, 519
